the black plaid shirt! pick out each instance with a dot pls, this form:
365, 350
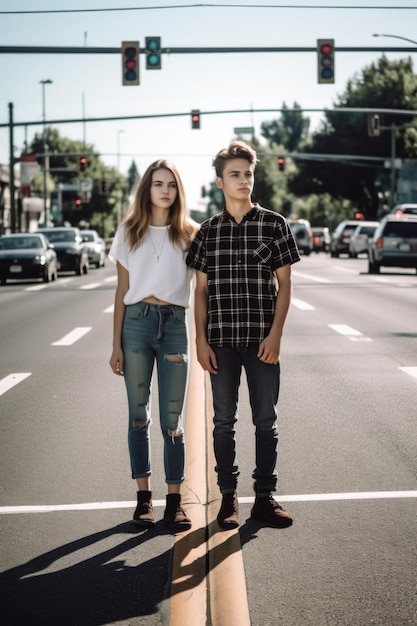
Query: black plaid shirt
240, 262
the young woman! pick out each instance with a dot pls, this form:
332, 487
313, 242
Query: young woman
153, 289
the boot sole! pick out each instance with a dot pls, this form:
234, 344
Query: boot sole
143, 523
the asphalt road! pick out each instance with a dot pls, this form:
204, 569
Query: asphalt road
347, 463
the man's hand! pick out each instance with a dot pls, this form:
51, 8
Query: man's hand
206, 356
269, 349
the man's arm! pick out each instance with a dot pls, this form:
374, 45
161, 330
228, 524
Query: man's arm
269, 349
205, 355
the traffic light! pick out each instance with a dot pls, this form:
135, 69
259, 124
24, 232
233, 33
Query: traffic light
153, 53
281, 163
195, 119
82, 164
103, 187
374, 125
78, 203
130, 62
325, 60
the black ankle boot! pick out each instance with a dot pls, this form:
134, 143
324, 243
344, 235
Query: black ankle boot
143, 516
174, 513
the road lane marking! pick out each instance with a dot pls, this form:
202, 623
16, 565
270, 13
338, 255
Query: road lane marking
73, 336
110, 279
131, 504
412, 371
36, 287
303, 306
109, 309
90, 286
349, 332
11, 380
317, 279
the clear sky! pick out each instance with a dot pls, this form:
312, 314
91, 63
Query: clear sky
209, 82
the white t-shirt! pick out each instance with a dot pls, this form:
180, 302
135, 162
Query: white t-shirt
156, 268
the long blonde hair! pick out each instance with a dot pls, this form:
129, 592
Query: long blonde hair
139, 216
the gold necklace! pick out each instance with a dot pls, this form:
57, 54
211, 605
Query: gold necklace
158, 254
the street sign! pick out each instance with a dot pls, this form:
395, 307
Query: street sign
244, 130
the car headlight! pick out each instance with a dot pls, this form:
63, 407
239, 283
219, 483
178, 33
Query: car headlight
40, 258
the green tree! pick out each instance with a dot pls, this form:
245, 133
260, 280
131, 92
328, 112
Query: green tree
385, 84
102, 206
290, 130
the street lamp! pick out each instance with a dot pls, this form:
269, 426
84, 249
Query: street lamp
119, 132
394, 36
45, 158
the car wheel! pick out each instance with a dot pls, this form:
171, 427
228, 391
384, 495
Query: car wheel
3, 280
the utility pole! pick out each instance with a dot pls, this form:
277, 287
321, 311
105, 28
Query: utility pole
11, 171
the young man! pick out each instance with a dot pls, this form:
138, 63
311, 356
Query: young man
243, 258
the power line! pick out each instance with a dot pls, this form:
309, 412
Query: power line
215, 6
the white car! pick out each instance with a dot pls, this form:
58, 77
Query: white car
96, 247
358, 243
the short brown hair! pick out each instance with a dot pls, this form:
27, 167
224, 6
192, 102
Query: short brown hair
236, 150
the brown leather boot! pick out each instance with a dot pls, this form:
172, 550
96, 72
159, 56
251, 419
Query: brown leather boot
228, 516
174, 514
143, 516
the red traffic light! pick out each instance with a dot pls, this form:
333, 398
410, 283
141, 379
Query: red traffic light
82, 163
130, 63
325, 60
281, 163
195, 119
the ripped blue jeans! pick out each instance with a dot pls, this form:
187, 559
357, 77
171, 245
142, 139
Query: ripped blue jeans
156, 334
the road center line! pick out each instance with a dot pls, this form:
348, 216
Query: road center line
303, 306
73, 336
11, 380
409, 370
310, 277
129, 504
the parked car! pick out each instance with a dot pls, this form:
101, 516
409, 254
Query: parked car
96, 247
71, 250
26, 255
340, 238
301, 230
358, 243
406, 208
321, 239
394, 243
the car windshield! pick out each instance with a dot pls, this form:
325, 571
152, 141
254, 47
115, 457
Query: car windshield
55, 236
88, 236
20, 243
407, 230
366, 230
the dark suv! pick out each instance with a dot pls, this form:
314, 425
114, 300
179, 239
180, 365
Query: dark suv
394, 243
71, 250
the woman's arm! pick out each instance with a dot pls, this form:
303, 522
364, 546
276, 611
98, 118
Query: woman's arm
116, 359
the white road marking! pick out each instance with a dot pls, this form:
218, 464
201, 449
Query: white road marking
126, 504
110, 279
90, 286
36, 287
317, 279
409, 370
349, 332
11, 380
73, 336
300, 304
109, 309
